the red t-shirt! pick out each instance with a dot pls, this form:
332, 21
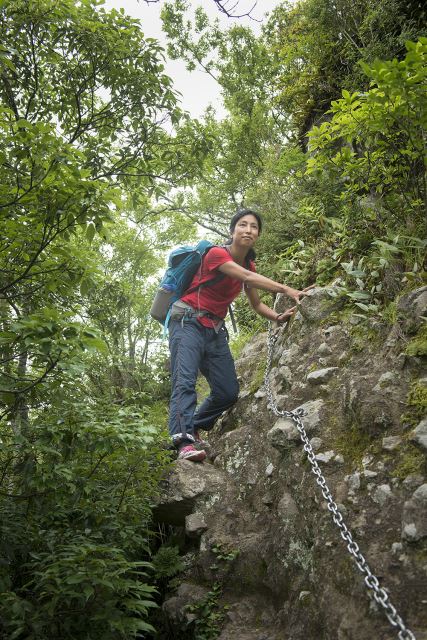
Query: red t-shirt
217, 297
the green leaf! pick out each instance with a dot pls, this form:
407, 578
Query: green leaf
90, 231
88, 591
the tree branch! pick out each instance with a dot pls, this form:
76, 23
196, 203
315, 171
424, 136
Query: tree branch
34, 383
227, 8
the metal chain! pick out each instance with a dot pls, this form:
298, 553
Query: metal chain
371, 581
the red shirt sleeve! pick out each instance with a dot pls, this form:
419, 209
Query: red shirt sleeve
218, 256
215, 258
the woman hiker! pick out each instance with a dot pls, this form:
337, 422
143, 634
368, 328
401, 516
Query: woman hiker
198, 337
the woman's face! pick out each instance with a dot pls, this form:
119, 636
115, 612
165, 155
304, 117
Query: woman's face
246, 231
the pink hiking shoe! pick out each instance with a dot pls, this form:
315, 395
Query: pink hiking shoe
190, 453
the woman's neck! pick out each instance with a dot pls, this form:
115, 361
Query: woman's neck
238, 253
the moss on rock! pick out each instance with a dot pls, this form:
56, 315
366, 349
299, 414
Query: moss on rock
353, 443
411, 461
417, 346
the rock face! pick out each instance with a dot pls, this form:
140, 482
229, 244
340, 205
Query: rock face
414, 520
420, 434
264, 559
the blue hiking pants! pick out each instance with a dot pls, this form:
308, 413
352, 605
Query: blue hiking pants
194, 347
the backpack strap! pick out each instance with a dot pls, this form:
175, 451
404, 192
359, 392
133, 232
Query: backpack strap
166, 324
232, 318
209, 283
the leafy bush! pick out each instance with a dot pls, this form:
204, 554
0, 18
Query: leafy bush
81, 589
74, 512
167, 562
371, 154
209, 614
374, 141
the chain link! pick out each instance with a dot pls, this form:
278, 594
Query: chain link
380, 595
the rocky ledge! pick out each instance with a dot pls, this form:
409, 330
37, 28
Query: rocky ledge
264, 560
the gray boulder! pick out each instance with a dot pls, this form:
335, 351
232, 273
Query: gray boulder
287, 507
390, 443
313, 410
320, 376
318, 305
420, 434
176, 607
414, 518
412, 307
382, 494
256, 523
283, 434
187, 484
195, 525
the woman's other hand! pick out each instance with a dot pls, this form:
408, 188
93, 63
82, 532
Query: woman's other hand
284, 317
296, 295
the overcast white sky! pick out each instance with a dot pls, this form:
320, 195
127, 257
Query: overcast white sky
198, 89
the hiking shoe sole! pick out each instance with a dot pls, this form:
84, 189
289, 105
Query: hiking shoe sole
190, 453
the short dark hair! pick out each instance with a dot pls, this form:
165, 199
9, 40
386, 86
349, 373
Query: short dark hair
251, 255
245, 212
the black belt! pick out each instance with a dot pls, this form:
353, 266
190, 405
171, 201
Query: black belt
180, 312
203, 314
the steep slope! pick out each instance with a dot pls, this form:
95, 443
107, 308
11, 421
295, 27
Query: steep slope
264, 559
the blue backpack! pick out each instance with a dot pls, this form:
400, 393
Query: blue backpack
183, 264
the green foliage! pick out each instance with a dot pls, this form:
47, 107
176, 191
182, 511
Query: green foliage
222, 553
389, 313
353, 206
65, 150
178, 28
239, 143
378, 275
167, 562
361, 334
54, 343
390, 164
85, 108
316, 46
83, 138
88, 578
75, 508
371, 154
209, 614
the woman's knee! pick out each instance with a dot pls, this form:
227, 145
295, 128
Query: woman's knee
229, 396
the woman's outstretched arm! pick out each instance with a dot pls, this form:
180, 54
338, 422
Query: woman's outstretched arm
257, 281
265, 311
